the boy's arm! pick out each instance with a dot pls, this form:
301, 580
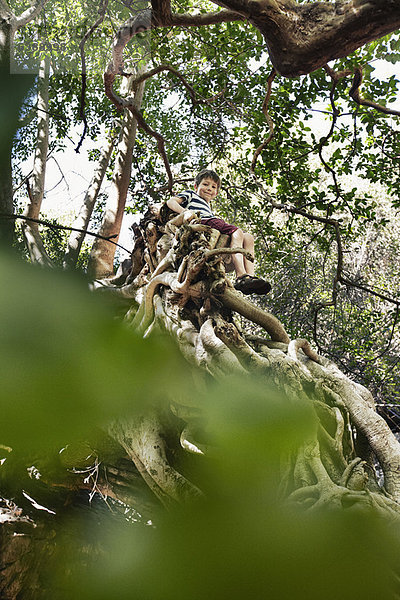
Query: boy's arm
174, 204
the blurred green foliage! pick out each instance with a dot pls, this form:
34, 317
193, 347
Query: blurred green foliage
241, 541
222, 551
67, 364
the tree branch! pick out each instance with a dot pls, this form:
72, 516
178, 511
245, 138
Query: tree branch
87, 35
355, 94
140, 23
5, 9
192, 92
29, 14
122, 103
364, 288
55, 226
268, 118
162, 16
303, 37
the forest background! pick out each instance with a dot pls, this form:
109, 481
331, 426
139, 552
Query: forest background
342, 163
323, 207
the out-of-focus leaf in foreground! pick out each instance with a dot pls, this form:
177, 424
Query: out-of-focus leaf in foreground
66, 363
243, 540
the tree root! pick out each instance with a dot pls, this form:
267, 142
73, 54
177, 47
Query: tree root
188, 295
235, 302
143, 443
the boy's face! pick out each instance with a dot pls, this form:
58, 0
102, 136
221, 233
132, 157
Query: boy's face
207, 189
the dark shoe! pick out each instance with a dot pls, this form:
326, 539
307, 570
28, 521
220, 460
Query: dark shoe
252, 285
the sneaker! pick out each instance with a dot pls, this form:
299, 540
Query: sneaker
247, 284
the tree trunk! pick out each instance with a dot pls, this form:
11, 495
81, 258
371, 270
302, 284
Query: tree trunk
33, 239
183, 290
76, 238
101, 262
7, 98
12, 92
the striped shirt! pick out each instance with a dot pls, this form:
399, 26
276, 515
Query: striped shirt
194, 202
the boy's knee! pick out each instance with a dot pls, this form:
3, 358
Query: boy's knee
248, 237
238, 234
237, 238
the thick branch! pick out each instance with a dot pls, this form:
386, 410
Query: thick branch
162, 16
29, 14
303, 37
232, 300
300, 38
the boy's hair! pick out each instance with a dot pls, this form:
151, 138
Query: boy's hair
207, 174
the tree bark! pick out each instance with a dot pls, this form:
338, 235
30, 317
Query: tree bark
7, 129
300, 38
185, 292
102, 255
33, 239
12, 92
76, 238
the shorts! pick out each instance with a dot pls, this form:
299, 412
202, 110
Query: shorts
220, 225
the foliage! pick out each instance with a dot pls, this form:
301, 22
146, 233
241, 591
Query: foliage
69, 367
64, 358
57, 367
325, 147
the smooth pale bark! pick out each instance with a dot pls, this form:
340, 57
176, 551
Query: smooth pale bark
76, 238
12, 91
32, 235
6, 130
101, 262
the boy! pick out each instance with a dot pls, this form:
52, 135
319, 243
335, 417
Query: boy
206, 187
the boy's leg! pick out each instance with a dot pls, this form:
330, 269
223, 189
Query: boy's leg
247, 283
248, 244
237, 239
245, 280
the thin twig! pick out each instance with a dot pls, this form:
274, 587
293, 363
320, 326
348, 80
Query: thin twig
192, 92
82, 114
369, 291
355, 94
270, 122
55, 226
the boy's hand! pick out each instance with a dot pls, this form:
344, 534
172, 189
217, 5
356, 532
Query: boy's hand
188, 216
183, 217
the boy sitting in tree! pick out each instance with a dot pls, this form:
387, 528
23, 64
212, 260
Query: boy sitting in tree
207, 184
